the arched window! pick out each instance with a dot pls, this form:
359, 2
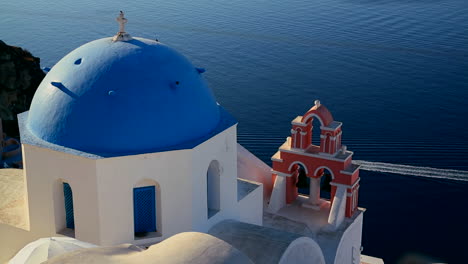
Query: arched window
63, 208
68, 202
316, 131
213, 183
147, 209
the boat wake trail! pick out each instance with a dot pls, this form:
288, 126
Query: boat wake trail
428, 172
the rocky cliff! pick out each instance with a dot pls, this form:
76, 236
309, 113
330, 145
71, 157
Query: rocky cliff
20, 75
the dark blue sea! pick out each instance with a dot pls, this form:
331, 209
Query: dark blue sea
395, 72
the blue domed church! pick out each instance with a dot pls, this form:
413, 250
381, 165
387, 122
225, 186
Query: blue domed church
125, 143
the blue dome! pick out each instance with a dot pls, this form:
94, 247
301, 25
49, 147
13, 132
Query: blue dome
120, 97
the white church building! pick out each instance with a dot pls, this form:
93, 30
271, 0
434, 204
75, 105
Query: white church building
125, 143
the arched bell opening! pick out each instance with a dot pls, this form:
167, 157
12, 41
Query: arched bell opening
316, 131
325, 186
302, 182
297, 182
320, 188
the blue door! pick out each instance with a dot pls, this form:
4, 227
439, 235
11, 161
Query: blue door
68, 195
144, 209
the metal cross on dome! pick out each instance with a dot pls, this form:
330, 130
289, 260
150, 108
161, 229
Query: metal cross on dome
121, 35
122, 21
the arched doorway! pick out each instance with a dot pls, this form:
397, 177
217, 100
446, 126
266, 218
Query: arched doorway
213, 192
316, 131
63, 208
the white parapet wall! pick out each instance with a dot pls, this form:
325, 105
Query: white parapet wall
250, 199
349, 248
278, 195
337, 212
251, 168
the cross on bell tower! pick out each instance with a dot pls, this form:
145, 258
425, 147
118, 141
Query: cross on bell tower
121, 35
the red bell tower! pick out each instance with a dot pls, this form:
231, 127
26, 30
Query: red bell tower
298, 153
